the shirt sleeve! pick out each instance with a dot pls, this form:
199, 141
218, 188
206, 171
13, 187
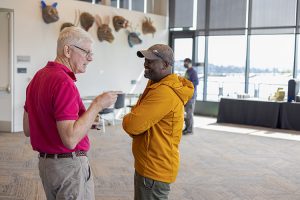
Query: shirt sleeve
65, 102
151, 110
194, 78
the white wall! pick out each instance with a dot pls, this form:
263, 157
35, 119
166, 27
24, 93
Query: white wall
114, 65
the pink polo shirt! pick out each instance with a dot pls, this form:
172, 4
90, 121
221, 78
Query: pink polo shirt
52, 96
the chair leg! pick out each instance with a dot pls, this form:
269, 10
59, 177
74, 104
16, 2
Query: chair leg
113, 121
103, 125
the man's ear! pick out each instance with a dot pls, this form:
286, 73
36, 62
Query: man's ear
67, 52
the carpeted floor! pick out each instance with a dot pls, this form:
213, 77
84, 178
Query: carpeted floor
215, 165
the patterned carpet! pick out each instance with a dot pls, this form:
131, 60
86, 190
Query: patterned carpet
215, 165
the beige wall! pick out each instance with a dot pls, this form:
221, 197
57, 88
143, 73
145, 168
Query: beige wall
114, 65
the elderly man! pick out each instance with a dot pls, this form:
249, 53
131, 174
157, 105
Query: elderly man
156, 123
57, 122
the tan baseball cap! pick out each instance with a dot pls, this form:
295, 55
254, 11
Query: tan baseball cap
158, 52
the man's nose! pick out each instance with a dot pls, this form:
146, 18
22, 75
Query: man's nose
90, 58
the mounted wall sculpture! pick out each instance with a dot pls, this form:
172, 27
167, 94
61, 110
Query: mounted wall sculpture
86, 20
69, 24
49, 13
147, 26
133, 36
119, 22
104, 31
133, 39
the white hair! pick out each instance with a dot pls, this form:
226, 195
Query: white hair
72, 36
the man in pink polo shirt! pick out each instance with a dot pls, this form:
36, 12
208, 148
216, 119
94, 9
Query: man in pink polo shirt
57, 122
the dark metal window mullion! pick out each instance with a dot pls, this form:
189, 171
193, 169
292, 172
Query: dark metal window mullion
207, 13
247, 66
295, 68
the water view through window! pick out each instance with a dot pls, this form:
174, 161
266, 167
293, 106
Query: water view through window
271, 64
226, 66
271, 59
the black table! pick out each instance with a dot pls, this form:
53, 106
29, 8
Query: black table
249, 112
290, 116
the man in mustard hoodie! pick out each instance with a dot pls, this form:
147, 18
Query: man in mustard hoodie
156, 123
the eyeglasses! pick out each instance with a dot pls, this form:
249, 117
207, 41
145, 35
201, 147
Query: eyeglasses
88, 53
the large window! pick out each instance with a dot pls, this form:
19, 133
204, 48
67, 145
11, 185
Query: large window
124, 4
248, 46
226, 66
138, 5
158, 7
271, 64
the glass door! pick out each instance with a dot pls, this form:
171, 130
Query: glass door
6, 68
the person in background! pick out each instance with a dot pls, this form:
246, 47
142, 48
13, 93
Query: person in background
189, 108
155, 123
57, 122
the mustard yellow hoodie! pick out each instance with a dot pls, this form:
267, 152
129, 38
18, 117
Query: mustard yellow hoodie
155, 124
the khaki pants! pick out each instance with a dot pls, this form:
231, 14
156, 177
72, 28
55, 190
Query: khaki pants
189, 118
67, 178
149, 189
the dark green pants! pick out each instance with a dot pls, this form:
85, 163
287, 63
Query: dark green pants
148, 189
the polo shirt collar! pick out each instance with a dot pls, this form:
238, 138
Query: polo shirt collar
64, 68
